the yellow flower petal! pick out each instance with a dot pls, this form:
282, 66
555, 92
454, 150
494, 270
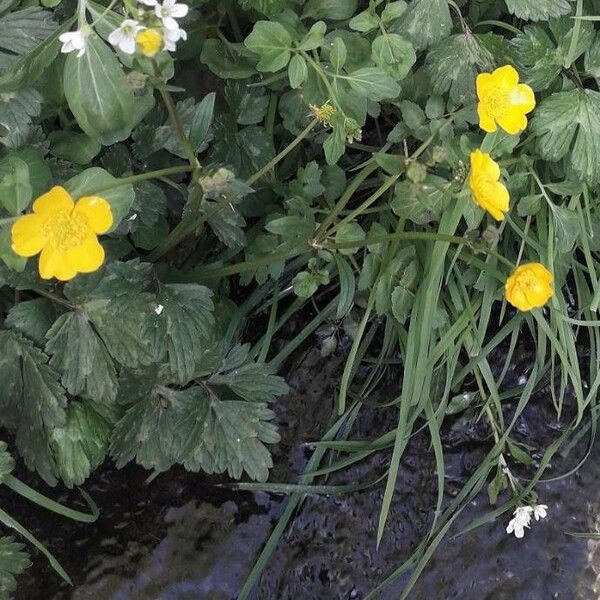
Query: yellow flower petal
484, 83
87, 257
57, 199
522, 96
513, 121
54, 263
28, 237
529, 286
487, 191
489, 166
486, 121
97, 211
506, 76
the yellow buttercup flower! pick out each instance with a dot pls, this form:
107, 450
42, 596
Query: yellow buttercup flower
487, 191
529, 286
503, 100
64, 232
150, 42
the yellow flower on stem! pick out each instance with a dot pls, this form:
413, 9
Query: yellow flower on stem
503, 100
64, 232
529, 286
485, 186
150, 42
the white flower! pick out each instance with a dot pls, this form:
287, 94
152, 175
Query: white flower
172, 36
124, 36
149, 2
522, 518
169, 11
158, 309
73, 40
540, 511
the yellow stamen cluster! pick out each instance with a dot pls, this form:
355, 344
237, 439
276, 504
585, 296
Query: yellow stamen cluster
323, 113
150, 42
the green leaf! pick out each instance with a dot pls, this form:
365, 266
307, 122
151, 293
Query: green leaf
566, 228
453, 65
13, 561
7, 462
545, 53
32, 318
567, 125
251, 381
79, 148
25, 71
81, 445
183, 326
538, 10
17, 111
297, 71
315, 37
349, 232
529, 205
347, 286
15, 189
393, 54
34, 398
373, 83
234, 436
81, 358
227, 61
98, 93
272, 42
40, 177
425, 22
305, 284
364, 21
338, 54
94, 181
201, 122
22, 30
336, 10
422, 202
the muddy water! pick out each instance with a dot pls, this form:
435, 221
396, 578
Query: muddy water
181, 537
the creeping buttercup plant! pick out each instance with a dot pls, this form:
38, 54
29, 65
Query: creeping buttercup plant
423, 174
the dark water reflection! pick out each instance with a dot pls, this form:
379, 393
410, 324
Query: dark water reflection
180, 537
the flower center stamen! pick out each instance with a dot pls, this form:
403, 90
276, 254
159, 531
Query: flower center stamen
66, 230
496, 102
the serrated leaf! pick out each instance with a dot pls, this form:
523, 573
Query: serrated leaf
79, 355
13, 561
35, 400
425, 22
233, 439
183, 326
568, 126
32, 317
252, 381
7, 462
80, 446
17, 110
420, 202
566, 228
453, 65
538, 10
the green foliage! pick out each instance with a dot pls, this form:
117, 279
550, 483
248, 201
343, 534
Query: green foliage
294, 166
13, 561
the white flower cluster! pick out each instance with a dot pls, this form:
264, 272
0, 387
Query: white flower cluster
522, 518
124, 38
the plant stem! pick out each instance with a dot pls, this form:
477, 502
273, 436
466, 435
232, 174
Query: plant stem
141, 177
176, 122
54, 298
263, 170
186, 227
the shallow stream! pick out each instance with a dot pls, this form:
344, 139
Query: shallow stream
181, 537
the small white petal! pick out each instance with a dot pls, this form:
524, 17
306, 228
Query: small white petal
179, 10
159, 308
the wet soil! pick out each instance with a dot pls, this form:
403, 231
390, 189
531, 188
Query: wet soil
183, 537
